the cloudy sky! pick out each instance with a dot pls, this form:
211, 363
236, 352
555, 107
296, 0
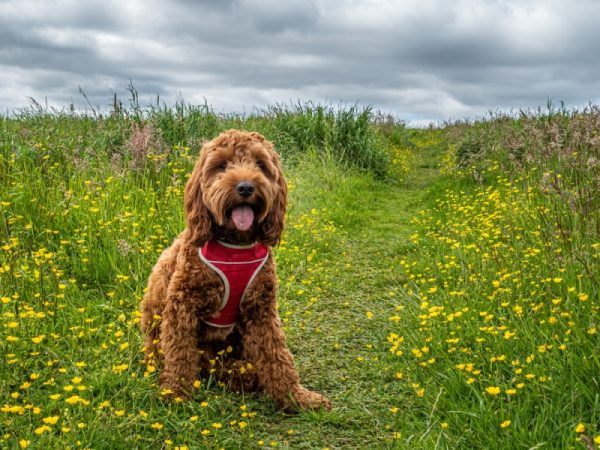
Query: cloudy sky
419, 59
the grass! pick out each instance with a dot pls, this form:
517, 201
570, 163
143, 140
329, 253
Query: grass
438, 305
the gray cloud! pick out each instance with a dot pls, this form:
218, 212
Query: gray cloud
423, 60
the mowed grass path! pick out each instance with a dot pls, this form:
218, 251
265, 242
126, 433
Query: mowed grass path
339, 341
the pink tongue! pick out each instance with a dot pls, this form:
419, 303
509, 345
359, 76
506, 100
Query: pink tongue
242, 216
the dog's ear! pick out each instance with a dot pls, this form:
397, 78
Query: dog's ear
198, 220
273, 225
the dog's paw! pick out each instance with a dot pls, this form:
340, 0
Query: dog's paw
307, 399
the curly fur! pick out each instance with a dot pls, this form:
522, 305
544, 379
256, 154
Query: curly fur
251, 355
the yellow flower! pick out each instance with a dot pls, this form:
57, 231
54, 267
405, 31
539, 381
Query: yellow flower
597, 439
580, 428
42, 429
51, 420
157, 426
73, 399
217, 425
505, 424
23, 443
493, 390
120, 412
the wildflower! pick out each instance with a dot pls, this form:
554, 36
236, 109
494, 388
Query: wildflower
157, 426
38, 339
505, 424
73, 399
51, 420
23, 443
42, 429
493, 390
580, 428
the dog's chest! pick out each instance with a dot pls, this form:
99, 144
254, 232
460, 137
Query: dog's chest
236, 266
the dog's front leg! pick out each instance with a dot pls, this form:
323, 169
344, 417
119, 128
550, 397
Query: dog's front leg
265, 348
179, 344
190, 297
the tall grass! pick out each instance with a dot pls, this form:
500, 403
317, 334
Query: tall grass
352, 136
556, 155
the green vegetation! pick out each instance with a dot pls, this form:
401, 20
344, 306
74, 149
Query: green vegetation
441, 285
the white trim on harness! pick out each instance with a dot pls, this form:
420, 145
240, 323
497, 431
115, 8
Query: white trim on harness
223, 277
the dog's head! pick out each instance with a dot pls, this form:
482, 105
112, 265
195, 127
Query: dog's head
237, 191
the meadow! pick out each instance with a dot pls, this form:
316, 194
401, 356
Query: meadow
441, 285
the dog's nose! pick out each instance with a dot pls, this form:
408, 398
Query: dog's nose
245, 188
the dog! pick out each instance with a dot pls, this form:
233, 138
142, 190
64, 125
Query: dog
210, 307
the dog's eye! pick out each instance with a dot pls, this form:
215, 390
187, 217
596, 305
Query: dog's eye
222, 166
261, 164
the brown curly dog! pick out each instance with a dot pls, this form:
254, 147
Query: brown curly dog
210, 308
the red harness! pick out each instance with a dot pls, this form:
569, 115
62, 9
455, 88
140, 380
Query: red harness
237, 266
